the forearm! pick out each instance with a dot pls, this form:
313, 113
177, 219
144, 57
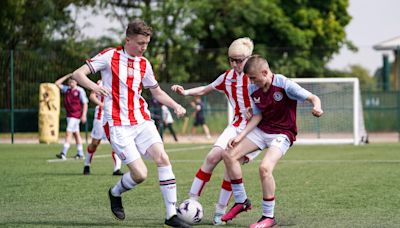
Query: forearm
316, 102
80, 75
62, 79
198, 91
253, 122
84, 110
164, 98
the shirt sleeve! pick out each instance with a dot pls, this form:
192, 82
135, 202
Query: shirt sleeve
219, 83
64, 88
82, 96
149, 80
100, 61
295, 91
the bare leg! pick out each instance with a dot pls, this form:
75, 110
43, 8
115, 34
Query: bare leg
266, 169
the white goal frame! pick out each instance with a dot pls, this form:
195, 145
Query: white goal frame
359, 132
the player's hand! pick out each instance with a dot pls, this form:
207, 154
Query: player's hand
180, 111
317, 112
178, 89
83, 119
233, 141
249, 113
102, 91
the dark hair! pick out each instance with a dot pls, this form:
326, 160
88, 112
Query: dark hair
138, 27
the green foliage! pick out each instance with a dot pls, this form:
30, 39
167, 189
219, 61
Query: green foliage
32, 24
298, 37
367, 81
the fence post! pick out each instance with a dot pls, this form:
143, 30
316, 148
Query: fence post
398, 115
12, 95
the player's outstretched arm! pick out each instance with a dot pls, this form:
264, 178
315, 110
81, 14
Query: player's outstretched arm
316, 102
196, 91
80, 75
60, 81
162, 97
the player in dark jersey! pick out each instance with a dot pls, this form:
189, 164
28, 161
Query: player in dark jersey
272, 126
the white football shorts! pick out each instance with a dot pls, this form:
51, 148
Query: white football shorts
130, 142
73, 124
97, 130
264, 140
229, 133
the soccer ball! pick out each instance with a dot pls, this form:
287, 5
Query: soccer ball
190, 211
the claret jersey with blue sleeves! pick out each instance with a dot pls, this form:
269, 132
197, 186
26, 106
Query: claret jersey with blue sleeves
278, 105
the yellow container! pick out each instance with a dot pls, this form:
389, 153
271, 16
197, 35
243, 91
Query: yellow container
49, 113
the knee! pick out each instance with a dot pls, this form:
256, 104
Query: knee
95, 143
214, 158
228, 157
162, 160
265, 171
92, 147
139, 176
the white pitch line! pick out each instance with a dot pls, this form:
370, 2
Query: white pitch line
209, 146
341, 161
307, 161
108, 155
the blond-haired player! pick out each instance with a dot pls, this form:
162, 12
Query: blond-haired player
272, 126
234, 84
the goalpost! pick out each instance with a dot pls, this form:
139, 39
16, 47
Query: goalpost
342, 122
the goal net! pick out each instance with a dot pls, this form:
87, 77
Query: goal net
342, 122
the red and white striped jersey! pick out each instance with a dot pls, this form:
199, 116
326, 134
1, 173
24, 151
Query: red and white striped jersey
235, 87
124, 76
98, 111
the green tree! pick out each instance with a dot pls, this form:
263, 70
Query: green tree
297, 36
191, 37
367, 81
43, 37
34, 23
171, 50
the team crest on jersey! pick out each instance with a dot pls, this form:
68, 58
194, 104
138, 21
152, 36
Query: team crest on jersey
278, 96
75, 93
130, 72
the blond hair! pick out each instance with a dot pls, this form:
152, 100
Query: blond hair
241, 47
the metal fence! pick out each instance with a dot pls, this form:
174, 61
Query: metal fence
22, 72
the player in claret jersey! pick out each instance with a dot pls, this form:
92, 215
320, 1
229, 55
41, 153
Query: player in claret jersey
272, 126
132, 133
75, 103
234, 84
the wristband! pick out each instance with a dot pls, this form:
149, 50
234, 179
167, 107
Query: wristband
185, 93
